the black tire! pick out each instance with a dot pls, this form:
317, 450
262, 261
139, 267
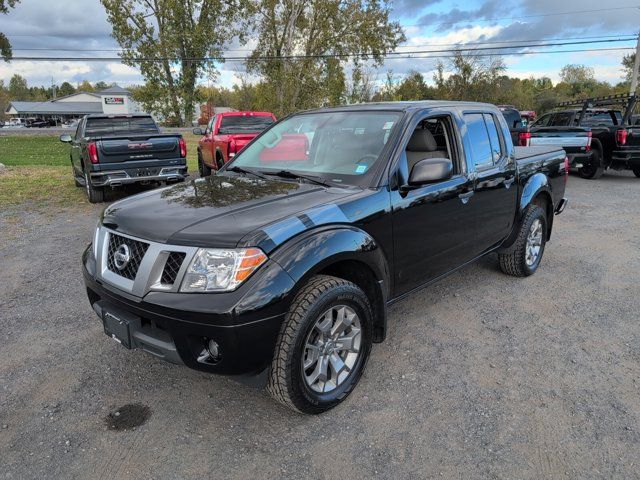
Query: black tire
592, 169
286, 382
94, 194
515, 262
219, 161
203, 168
636, 171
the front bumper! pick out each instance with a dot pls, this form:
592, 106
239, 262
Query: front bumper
176, 327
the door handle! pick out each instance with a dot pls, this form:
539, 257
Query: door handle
508, 182
464, 197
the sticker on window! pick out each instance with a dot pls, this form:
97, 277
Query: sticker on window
361, 168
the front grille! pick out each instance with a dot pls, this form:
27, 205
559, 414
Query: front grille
171, 267
137, 250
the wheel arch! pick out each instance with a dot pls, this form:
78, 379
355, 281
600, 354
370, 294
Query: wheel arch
344, 252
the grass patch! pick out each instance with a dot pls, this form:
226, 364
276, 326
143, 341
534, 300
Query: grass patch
39, 170
41, 185
23, 150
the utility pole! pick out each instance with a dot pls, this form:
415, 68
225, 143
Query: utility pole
636, 67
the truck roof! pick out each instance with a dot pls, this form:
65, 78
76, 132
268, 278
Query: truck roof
402, 106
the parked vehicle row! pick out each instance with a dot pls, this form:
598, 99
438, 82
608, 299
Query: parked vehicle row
279, 269
594, 138
113, 150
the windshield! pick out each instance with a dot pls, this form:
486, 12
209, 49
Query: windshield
119, 125
338, 147
244, 123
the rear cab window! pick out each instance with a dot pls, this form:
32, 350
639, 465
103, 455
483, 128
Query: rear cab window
96, 127
244, 123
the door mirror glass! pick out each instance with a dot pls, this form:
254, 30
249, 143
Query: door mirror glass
66, 138
430, 170
198, 131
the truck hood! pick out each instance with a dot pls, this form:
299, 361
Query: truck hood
226, 211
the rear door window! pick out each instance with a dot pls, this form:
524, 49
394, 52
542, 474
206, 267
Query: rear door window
481, 153
543, 121
562, 119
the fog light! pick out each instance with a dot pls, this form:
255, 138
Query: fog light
210, 354
214, 349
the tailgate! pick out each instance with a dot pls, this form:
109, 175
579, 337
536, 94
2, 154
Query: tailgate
241, 139
123, 149
566, 137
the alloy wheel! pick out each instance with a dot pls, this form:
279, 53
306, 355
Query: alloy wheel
534, 243
331, 349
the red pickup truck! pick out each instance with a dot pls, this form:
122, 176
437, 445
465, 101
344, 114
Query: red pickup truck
226, 134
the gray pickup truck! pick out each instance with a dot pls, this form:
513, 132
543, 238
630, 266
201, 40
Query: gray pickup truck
110, 151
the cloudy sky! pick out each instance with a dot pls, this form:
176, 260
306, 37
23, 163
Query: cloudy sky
72, 27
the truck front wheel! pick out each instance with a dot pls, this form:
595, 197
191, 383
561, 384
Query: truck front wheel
526, 253
323, 346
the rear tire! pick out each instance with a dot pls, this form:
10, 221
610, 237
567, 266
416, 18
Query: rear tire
526, 254
593, 169
94, 194
323, 346
636, 171
219, 162
203, 168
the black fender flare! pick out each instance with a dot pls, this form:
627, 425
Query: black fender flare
537, 185
328, 247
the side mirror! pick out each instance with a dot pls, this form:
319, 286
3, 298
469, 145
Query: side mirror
198, 131
430, 170
66, 138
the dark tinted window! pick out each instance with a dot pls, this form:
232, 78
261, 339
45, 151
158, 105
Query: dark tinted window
562, 119
244, 123
543, 121
601, 118
511, 116
119, 126
479, 138
494, 136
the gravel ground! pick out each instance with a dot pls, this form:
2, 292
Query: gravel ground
481, 376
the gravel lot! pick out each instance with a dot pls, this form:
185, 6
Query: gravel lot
482, 375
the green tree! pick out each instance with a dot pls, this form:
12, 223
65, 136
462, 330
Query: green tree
85, 86
99, 86
303, 44
18, 88
5, 45
577, 74
627, 65
172, 42
472, 78
66, 89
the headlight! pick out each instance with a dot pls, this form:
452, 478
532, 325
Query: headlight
217, 270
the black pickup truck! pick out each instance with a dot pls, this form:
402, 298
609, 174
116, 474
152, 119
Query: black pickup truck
607, 122
281, 266
109, 151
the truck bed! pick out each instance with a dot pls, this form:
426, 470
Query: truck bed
523, 153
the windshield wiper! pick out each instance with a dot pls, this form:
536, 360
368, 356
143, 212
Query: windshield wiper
297, 176
237, 169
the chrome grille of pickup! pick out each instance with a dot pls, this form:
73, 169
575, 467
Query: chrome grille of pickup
172, 267
135, 252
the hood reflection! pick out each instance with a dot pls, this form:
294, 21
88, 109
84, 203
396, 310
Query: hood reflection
222, 191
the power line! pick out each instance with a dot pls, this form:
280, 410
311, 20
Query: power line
534, 42
396, 55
